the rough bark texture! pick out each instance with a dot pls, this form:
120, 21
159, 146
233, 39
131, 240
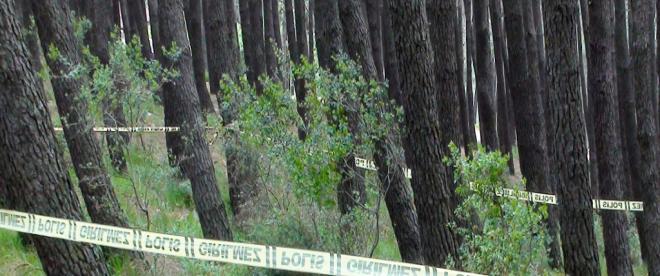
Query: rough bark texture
602, 86
224, 62
576, 215
181, 105
374, 15
627, 109
137, 13
54, 23
194, 23
351, 191
113, 111
275, 13
433, 196
486, 76
154, 27
443, 38
471, 53
252, 20
269, 36
497, 23
295, 54
461, 57
646, 87
32, 171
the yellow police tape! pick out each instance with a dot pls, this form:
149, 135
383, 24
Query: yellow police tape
602, 204
265, 256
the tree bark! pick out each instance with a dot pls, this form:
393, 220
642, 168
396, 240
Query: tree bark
486, 76
471, 53
113, 111
194, 23
576, 215
627, 109
497, 23
374, 15
270, 42
461, 56
433, 196
154, 27
181, 105
137, 26
31, 170
275, 13
53, 20
310, 29
252, 31
295, 54
602, 85
646, 87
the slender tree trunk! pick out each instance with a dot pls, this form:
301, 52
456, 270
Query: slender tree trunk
602, 85
194, 23
471, 64
113, 111
182, 109
627, 109
275, 13
252, 31
433, 197
269, 35
137, 14
31, 170
310, 29
486, 76
295, 54
462, 77
576, 215
53, 20
374, 14
443, 38
497, 23
154, 27
646, 87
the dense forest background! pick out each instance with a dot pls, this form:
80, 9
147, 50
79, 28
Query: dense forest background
377, 128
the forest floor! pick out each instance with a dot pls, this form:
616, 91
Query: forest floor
155, 199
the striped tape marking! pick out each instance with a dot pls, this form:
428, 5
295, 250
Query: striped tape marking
266, 256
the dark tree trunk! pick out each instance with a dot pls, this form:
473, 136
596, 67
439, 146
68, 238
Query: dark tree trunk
602, 85
471, 53
194, 23
253, 40
443, 38
461, 57
137, 13
310, 29
113, 113
627, 109
155, 30
295, 54
400, 198
275, 13
182, 109
270, 42
54, 23
374, 15
576, 214
351, 191
536, 87
32, 172
224, 62
24, 11
125, 20
433, 196
497, 23
486, 76
646, 87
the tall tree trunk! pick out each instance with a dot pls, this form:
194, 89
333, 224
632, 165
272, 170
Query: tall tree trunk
627, 109
182, 109
462, 76
53, 20
646, 87
433, 197
137, 13
602, 85
275, 13
374, 14
442, 32
224, 62
576, 215
295, 54
269, 36
194, 23
486, 76
471, 64
154, 27
497, 23
404, 221
537, 88
252, 31
31, 170
351, 191
113, 111
310, 29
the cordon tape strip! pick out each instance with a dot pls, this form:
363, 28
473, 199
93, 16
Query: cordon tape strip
265, 256
602, 204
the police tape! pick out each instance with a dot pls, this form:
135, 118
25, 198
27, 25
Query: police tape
265, 256
132, 129
599, 204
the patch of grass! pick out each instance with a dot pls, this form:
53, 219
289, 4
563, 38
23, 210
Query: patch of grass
15, 259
